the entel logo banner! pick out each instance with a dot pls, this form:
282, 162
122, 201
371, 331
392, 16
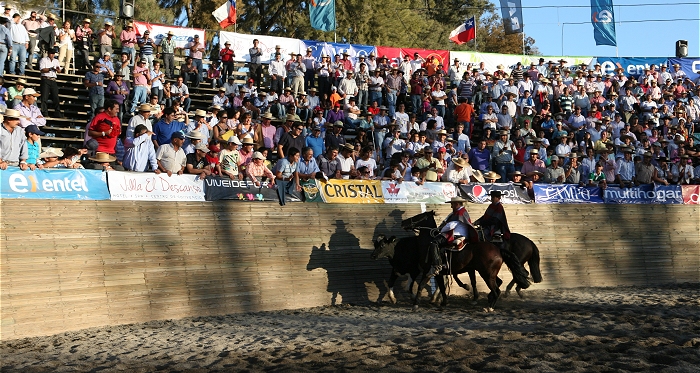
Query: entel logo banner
54, 184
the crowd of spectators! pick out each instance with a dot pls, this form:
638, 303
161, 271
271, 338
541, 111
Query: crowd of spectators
416, 120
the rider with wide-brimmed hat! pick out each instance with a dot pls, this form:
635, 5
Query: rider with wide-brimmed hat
454, 230
494, 219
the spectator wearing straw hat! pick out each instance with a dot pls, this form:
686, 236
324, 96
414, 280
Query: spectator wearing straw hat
167, 49
105, 37
83, 44
13, 141
142, 118
28, 109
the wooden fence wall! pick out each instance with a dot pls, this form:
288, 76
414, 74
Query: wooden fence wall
67, 265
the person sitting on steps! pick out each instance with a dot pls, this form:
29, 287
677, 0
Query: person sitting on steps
456, 228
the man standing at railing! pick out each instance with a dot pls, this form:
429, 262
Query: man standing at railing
226, 56
255, 69
49, 68
167, 48
196, 48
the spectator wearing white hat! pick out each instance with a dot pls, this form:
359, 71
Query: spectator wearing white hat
105, 37
83, 42
13, 141
29, 111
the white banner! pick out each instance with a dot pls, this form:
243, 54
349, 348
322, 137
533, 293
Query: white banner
241, 43
182, 35
410, 192
145, 186
492, 60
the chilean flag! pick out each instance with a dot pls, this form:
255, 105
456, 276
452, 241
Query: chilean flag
465, 32
226, 14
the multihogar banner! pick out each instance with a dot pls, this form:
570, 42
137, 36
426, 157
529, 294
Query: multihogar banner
690, 66
350, 191
479, 193
182, 35
353, 50
241, 44
631, 66
67, 184
566, 193
645, 194
410, 192
146, 186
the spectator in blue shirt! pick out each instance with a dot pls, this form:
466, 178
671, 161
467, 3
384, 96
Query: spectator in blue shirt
165, 127
307, 168
315, 141
480, 157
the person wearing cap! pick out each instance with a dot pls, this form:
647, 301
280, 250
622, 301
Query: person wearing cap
128, 41
455, 229
105, 37
255, 68
20, 43
167, 50
15, 92
555, 174
83, 43
94, 82
106, 127
107, 68
147, 48
257, 172
49, 69
33, 134
315, 141
196, 162
13, 142
30, 113
170, 156
140, 155
286, 175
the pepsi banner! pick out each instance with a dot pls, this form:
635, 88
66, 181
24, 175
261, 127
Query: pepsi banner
66, 184
603, 20
410, 192
511, 193
566, 193
690, 66
691, 194
631, 66
331, 49
645, 194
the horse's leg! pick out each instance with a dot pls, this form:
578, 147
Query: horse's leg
409, 284
510, 286
392, 281
517, 289
472, 278
421, 285
490, 279
443, 291
460, 283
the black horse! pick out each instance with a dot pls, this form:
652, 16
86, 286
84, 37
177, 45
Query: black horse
403, 255
526, 251
482, 257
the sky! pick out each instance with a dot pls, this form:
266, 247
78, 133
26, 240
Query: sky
641, 39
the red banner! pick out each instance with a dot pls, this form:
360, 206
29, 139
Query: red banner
395, 55
691, 194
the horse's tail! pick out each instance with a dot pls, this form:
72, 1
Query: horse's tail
520, 274
534, 263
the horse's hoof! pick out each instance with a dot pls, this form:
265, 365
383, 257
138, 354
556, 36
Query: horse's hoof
415, 307
488, 309
521, 295
393, 300
505, 295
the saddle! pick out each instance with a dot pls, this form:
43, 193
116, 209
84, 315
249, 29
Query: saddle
456, 245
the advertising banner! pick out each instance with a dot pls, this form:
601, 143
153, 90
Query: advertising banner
410, 192
512, 14
68, 184
312, 193
322, 15
351, 191
647, 193
216, 188
141, 186
492, 60
603, 20
691, 194
241, 44
318, 48
479, 193
183, 35
632, 66
566, 193
690, 66
395, 55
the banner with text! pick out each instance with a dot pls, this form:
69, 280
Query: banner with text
511, 193
395, 55
331, 49
410, 192
631, 66
566, 193
216, 188
645, 194
241, 44
138, 186
691, 194
182, 35
509, 61
351, 191
69, 184
690, 66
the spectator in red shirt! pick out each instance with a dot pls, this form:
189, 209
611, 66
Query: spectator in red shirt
106, 127
464, 113
226, 55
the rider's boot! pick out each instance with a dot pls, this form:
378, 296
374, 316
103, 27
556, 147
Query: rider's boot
436, 252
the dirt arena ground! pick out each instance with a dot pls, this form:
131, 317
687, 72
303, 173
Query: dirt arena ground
579, 330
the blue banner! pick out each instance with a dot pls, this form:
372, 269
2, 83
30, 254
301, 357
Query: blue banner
690, 66
71, 184
512, 14
331, 49
566, 193
645, 194
632, 66
603, 20
322, 14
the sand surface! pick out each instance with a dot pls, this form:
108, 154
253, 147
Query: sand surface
579, 330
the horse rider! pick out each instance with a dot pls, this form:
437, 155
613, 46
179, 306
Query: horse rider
494, 221
456, 228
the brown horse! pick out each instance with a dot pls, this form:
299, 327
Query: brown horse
483, 257
526, 251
